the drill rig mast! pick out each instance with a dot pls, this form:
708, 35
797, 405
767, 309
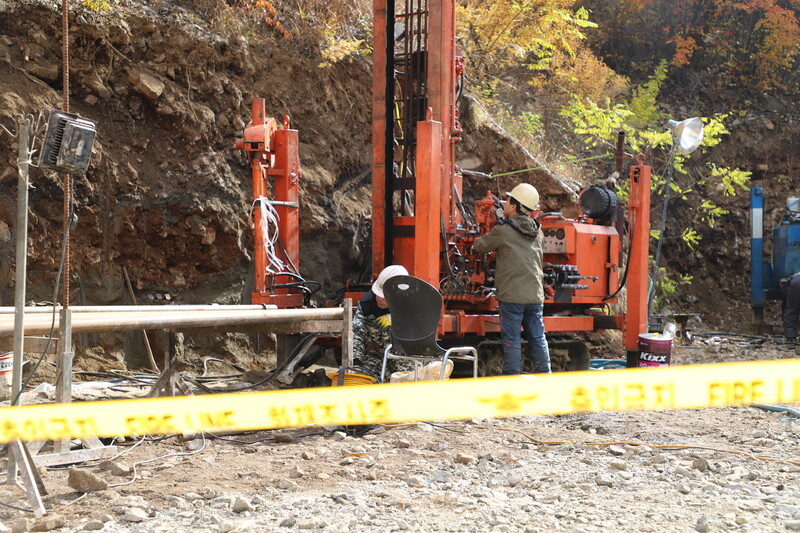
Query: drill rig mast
420, 221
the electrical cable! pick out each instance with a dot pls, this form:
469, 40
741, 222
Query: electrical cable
236, 441
541, 167
76, 500
15, 507
178, 454
725, 334
86, 464
296, 274
295, 351
268, 222
216, 360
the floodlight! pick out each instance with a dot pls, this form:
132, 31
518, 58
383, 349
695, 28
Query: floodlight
687, 133
68, 143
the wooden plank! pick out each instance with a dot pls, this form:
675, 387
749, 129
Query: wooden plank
38, 344
74, 456
30, 345
31, 481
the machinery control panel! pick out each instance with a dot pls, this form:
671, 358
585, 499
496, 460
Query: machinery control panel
555, 241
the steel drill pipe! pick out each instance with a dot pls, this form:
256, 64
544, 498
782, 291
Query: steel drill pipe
99, 322
149, 308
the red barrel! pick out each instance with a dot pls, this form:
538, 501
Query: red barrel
655, 350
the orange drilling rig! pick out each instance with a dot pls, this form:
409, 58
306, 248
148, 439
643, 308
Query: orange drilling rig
418, 217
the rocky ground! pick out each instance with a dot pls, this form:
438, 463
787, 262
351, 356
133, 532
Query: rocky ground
727, 469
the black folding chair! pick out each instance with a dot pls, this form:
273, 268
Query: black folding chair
416, 307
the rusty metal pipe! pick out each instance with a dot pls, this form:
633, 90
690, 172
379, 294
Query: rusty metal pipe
101, 322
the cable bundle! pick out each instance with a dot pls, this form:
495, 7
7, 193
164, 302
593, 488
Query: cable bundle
269, 229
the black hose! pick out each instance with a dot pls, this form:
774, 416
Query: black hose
295, 351
624, 279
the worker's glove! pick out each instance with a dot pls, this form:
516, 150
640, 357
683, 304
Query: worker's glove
384, 321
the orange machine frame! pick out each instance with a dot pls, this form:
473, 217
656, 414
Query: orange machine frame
273, 153
416, 241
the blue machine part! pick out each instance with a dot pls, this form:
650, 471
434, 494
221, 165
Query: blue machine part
786, 249
757, 263
766, 275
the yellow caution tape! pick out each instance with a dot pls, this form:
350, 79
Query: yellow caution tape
680, 387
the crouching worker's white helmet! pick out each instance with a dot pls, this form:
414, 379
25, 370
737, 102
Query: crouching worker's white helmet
386, 274
526, 194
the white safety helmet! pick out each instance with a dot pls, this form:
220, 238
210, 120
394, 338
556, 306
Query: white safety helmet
386, 274
526, 194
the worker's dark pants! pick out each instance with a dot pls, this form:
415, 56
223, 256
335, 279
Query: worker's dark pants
791, 309
527, 318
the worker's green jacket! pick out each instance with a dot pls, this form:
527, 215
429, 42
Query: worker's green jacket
518, 243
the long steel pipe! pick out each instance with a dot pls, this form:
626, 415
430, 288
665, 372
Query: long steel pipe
128, 308
115, 321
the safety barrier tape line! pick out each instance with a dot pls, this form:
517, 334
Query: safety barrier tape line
683, 387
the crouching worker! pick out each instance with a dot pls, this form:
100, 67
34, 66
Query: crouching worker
371, 322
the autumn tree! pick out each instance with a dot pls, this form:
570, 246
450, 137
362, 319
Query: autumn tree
712, 45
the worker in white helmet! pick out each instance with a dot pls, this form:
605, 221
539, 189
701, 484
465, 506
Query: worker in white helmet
371, 322
519, 279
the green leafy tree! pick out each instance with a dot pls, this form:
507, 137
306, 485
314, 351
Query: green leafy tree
645, 131
541, 42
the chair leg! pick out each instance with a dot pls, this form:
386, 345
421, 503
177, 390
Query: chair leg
444, 367
467, 352
383, 365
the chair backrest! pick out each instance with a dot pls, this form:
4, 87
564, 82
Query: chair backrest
416, 307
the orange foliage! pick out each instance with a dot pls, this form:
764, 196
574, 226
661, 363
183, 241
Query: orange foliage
684, 49
768, 37
265, 11
750, 44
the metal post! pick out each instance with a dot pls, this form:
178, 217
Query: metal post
23, 138
639, 208
24, 125
347, 333
662, 226
64, 373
